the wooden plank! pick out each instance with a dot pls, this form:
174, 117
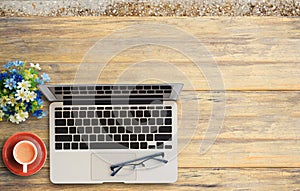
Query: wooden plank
256, 132
252, 54
189, 179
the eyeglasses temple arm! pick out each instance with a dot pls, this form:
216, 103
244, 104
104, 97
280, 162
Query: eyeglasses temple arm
116, 171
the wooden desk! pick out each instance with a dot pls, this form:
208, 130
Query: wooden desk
258, 146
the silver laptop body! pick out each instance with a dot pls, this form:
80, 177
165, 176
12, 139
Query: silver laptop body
113, 133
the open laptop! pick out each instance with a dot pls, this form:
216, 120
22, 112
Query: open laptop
113, 133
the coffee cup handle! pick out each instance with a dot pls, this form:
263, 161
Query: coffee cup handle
25, 168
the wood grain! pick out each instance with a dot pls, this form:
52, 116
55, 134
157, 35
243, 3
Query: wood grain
189, 179
252, 53
258, 145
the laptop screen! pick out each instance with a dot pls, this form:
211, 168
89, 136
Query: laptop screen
112, 92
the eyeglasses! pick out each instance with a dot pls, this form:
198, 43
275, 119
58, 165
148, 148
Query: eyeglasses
137, 162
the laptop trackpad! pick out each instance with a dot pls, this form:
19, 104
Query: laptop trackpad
101, 163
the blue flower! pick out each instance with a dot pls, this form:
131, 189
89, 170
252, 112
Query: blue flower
10, 83
38, 94
3, 76
28, 106
45, 77
40, 102
17, 77
18, 63
15, 63
8, 65
39, 81
39, 114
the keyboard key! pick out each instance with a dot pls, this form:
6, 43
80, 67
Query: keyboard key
163, 137
125, 137
82, 114
94, 121
159, 121
71, 122
117, 137
58, 114
61, 130
169, 113
115, 114
80, 130
78, 122
151, 146
106, 114
159, 145
84, 146
168, 121
86, 122
143, 121
66, 146
151, 121
143, 145
100, 137
165, 129
134, 145
108, 137
147, 113
141, 137
131, 114
121, 130
119, 121
84, 138
127, 122
145, 129
76, 138
92, 137
149, 137
123, 114
66, 114
113, 129
72, 130
105, 130
129, 129
60, 122
88, 130
121, 145
74, 146
133, 137
58, 146
155, 113
90, 114
111, 122
103, 121
62, 138
137, 129
99, 114
139, 113
74, 114
135, 121
96, 129
168, 146
153, 129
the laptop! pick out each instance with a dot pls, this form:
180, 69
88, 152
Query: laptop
113, 133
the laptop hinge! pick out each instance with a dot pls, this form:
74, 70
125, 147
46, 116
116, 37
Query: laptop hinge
113, 102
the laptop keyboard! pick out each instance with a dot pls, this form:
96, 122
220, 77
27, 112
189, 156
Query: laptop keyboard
113, 127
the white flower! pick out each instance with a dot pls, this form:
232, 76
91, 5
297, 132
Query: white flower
20, 94
4, 101
24, 85
14, 119
1, 113
22, 116
12, 100
36, 66
30, 96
